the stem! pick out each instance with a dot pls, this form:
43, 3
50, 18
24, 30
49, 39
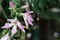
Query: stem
3, 12
27, 3
19, 34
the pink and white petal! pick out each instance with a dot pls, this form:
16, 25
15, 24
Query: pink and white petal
30, 22
7, 25
14, 30
6, 37
20, 26
29, 12
25, 19
30, 18
10, 20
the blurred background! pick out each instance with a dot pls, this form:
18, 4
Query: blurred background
46, 18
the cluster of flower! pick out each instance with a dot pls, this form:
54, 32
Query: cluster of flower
14, 23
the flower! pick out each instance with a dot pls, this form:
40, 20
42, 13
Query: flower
28, 18
14, 23
27, 15
12, 5
5, 37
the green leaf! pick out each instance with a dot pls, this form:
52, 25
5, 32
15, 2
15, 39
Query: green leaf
34, 6
0, 1
45, 15
17, 3
42, 3
23, 35
23, 1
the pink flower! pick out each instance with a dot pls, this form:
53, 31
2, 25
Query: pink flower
28, 18
14, 23
5, 37
12, 5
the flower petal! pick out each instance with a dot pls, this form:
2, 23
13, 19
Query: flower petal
29, 12
25, 19
10, 20
30, 22
6, 37
20, 26
30, 17
7, 25
14, 30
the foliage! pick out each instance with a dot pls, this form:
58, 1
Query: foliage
40, 7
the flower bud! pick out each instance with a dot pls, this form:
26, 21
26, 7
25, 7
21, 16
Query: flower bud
12, 5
